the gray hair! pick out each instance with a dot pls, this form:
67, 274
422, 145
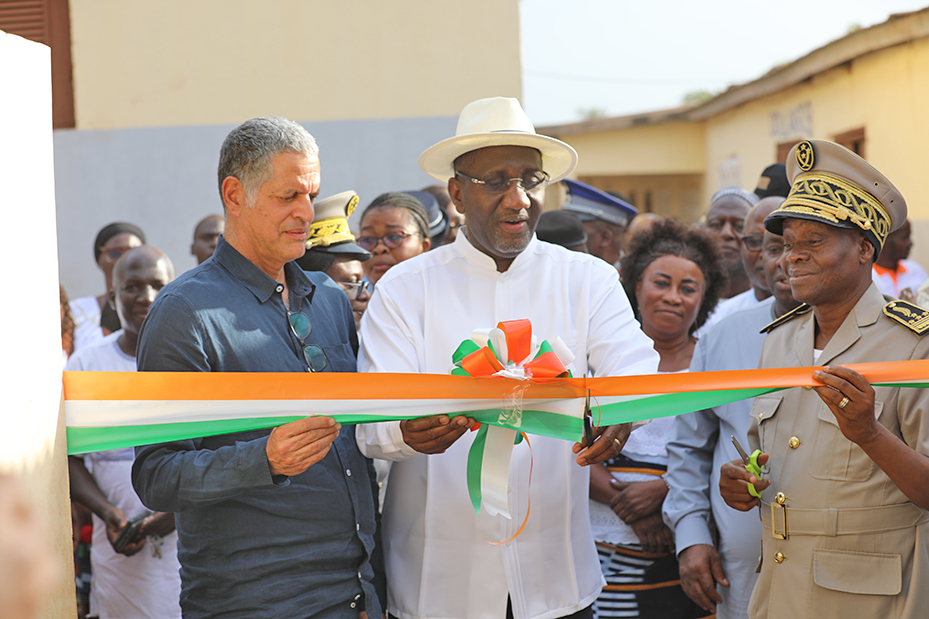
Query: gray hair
247, 151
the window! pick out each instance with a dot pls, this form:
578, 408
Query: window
46, 22
783, 149
852, 140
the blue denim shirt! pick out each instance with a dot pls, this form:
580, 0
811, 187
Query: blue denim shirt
253, 545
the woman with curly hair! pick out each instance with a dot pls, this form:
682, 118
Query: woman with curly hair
673, 276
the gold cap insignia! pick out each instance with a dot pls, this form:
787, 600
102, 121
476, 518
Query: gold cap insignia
806, 157
351, 206
329, 232
833, 185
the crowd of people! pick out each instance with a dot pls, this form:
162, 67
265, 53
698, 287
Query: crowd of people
316, 519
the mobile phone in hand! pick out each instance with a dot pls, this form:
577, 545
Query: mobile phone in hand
130, 532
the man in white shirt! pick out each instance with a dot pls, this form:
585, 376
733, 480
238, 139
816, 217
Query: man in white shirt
440, 554
893, 273
141, 579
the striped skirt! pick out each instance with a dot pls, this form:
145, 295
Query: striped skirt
642, 585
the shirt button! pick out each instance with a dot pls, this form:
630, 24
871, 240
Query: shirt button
348, 472
279, 288
779, 557
794, 442
357, 596
359, 575
357, 527
352, 605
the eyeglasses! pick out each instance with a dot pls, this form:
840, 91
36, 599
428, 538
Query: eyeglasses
353, 290
315, 357
753, 242
391, 241
527, 183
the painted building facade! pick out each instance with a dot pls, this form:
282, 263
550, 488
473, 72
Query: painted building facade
868, 91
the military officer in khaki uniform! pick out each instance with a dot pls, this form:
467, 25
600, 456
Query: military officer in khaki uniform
846, 487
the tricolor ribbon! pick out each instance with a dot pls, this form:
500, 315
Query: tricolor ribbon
109, 410
507, 351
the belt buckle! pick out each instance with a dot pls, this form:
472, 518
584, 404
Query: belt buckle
774, 507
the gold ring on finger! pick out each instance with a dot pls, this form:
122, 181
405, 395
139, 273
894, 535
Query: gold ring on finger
618, 442
843, 402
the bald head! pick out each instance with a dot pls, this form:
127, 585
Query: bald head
751, 244
144, 256
206, 236
138, 277
761, 210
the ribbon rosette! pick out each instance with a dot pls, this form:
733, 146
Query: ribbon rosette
507, 351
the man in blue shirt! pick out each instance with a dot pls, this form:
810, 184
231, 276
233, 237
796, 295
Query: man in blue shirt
717, 546
272, 523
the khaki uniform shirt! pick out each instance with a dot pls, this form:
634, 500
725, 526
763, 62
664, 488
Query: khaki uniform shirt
856, 546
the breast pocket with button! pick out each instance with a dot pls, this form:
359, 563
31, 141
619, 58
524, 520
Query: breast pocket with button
834, 456
764, 411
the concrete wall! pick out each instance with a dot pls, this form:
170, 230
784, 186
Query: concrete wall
668, 195
164, 180
32, 443
176, 62
666, 148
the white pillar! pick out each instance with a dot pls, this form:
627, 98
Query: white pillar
32, 439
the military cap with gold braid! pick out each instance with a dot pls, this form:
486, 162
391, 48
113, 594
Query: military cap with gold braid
832, 185
329, 231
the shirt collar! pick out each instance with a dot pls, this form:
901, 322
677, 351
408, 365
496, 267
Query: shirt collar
256, 280
485, 262
893, 273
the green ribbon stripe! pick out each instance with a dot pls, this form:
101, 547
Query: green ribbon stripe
475, 465
90, 439
668, 405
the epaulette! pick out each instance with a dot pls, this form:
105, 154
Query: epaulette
911, 316
797, 311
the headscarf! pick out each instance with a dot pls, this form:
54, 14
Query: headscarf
113, 229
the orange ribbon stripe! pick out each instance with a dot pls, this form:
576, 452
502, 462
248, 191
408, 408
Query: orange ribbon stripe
482, 362
340, 386
518, 338
301, 386
547, 365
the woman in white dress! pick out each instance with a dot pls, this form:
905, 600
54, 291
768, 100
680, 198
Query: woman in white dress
673, 276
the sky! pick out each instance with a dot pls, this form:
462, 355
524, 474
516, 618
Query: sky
623, 57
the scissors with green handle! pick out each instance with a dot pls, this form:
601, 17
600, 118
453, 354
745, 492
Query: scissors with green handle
751, 465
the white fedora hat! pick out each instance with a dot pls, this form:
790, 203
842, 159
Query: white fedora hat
498, 121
